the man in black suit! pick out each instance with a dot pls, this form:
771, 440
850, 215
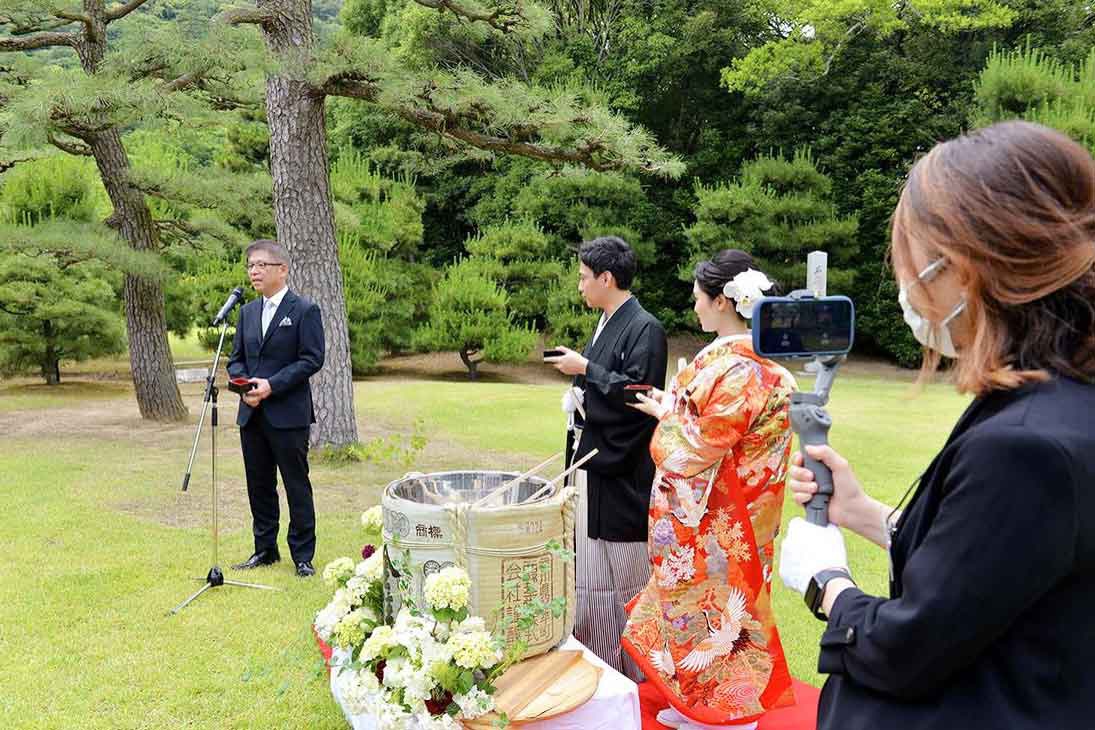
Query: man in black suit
628, 348
278, 346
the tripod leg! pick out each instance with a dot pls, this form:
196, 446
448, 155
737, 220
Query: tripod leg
250, 585
187, 602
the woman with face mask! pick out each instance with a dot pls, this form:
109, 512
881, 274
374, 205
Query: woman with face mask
702, 630
990, 621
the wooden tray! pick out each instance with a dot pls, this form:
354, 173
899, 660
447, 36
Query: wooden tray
542, 687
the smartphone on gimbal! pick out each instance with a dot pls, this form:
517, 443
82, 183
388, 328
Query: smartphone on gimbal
803, 326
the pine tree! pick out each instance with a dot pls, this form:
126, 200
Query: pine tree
84, 110
778, 211
503, 116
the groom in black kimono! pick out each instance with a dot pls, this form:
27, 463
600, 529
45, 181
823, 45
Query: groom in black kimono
628, 348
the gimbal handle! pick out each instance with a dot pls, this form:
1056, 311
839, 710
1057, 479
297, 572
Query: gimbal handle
811, 422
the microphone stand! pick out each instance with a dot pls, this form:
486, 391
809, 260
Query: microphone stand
215, 578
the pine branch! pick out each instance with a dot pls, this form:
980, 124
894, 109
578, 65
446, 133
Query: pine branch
72, 148
14, 313
591, 151
244, 16
185, 81
445, 125
502, 20
43, 39
120, 11
6, 165
69, 16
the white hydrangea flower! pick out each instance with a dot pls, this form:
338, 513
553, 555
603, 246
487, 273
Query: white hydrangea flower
332, 613
745, 289
475, 703
471, 623
450, 588
359, 690
382, 639
391, 716
337, 571
358, 587
372, 568
426, 721
372, 519
474, 650
435, 654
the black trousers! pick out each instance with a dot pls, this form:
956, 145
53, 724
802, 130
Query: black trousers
266, 451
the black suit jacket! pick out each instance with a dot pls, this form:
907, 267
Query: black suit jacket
631, 349
991, 623
292, 351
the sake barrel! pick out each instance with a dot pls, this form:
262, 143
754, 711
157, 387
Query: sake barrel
432, 521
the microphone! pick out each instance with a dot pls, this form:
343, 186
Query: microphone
229, 304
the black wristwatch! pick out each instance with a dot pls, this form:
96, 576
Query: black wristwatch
815, 591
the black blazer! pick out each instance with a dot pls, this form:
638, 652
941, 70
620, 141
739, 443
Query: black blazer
991, 623
291, 352
632, 349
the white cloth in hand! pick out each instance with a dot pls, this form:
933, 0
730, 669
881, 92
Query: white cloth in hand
573, 398
807, 550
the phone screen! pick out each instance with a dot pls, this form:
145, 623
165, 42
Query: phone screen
784, 327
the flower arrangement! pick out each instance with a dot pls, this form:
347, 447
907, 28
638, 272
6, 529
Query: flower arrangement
425, 669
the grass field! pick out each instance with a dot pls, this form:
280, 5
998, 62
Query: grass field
101, 543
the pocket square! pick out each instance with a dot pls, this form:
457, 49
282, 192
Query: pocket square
286, 323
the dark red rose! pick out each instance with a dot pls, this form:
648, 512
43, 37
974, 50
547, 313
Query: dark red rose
379, 671
367, 552
438, 706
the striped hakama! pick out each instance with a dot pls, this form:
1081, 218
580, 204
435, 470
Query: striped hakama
607, 576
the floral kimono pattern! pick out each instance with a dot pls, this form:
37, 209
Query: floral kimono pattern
703, 630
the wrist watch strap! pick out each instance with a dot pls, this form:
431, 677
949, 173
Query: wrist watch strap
815, 591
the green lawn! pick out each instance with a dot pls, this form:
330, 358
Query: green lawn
101, 543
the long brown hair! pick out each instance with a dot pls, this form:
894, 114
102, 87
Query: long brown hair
1012, 209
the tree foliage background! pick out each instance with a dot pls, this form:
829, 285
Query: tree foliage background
795, 124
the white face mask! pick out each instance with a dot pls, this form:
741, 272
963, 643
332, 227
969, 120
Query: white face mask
928, 334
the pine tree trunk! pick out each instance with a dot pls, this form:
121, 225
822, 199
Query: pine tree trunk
471, 365
51, 364
150, 358
304, 216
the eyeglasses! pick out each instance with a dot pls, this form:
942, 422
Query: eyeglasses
261, 265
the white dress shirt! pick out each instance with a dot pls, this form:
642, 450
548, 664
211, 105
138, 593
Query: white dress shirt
270, 307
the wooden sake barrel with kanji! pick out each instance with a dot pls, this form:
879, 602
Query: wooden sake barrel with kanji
432, 521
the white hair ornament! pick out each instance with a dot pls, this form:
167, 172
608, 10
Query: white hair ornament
745, 289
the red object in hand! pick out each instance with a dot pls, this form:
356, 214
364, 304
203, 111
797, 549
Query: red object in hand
631, 391
240, 385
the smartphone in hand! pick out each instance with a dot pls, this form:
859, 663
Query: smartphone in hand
240, 385
632, 391
553, 353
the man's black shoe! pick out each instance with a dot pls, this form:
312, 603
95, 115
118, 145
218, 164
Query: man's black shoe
305, 569
263, 557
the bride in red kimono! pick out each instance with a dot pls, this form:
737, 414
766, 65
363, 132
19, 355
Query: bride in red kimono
702, 630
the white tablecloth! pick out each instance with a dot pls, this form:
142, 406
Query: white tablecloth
615, 706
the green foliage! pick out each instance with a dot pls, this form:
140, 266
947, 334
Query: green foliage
396, 450
53, 310
515, 255
779, 210
195, 295
808, 35
384, 215
569, 321
469, 313
54, 187
386, 298
1029, 84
